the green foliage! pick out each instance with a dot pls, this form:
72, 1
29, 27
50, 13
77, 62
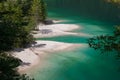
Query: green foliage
37, 12
8, 69
7, 61
114, 1
106, 43
12, 30
15, 19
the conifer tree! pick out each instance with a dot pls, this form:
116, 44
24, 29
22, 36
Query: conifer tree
12, 30
38, 12
13, 34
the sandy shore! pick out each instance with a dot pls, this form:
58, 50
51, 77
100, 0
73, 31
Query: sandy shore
55, 30
28, 57
32, 56
58, 21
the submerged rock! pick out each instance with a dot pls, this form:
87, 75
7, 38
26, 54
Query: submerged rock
47, 22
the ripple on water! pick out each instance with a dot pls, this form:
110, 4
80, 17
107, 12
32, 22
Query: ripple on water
83, 63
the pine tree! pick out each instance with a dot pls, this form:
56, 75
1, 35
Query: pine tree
12, 30
107, 43
13, 34
8, 69
38, 12
42, 11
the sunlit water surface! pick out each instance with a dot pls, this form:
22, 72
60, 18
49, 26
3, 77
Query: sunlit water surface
82, 63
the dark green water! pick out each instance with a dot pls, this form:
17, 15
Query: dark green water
67, 39
95, 9
82, 63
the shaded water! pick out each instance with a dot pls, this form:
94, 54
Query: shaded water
95, 9
79, 64
82, 63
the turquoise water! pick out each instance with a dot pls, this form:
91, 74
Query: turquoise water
82, 63
68, 39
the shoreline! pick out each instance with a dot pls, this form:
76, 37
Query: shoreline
55, 30
31, 56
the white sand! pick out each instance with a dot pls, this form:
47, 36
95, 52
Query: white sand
28, 57
58, 21
32, 56
57, 30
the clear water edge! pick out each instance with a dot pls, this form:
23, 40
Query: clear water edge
82, 63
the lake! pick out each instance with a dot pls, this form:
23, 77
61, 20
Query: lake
82, 63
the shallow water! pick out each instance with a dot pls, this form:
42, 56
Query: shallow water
82, 63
